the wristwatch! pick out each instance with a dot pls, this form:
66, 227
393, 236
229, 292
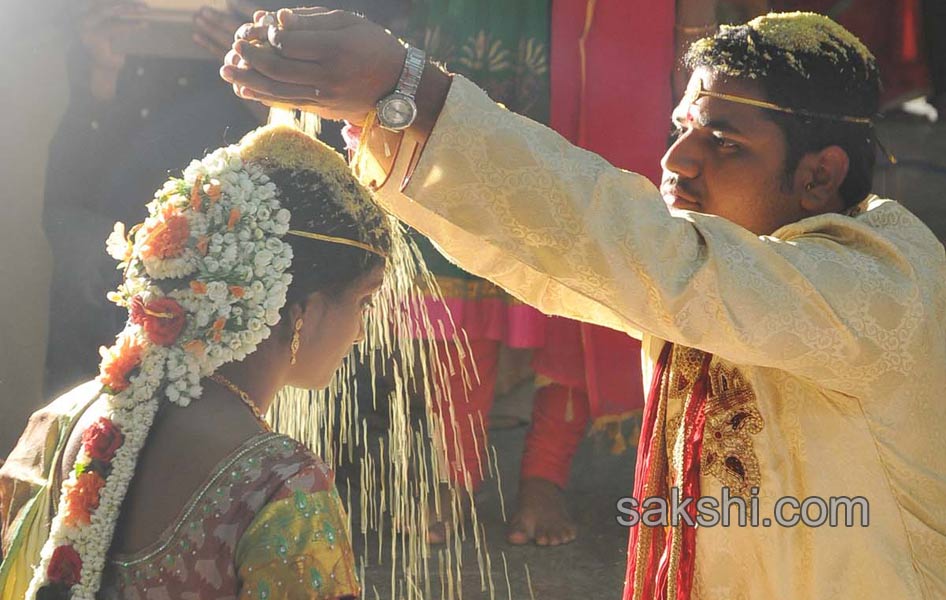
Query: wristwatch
397, 111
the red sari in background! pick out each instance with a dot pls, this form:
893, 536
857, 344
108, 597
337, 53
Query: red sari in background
611, 67
891, 29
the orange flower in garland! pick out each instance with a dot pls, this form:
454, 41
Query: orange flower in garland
203, 245
82, 497
65, 566
217, 328
118, 362
162, 319
165, 237
233, 219
213, 192
195, 194
195, 347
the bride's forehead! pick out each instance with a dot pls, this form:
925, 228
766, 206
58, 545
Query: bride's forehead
371, 280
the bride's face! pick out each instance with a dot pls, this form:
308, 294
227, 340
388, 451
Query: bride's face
332, 324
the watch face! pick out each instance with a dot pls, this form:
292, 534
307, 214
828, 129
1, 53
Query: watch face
397, 112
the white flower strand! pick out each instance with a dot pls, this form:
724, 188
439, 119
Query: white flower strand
244, 275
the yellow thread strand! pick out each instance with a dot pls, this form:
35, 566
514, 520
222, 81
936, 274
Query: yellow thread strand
506, 571
529, 582
499, 485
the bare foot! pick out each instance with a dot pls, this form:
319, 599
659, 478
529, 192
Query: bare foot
541, 515
437, 531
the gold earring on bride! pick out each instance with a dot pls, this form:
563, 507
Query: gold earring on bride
296, 342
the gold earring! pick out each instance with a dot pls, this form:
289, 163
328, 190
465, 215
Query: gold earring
296, 342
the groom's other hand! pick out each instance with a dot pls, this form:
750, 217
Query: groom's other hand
214, 29
330, 62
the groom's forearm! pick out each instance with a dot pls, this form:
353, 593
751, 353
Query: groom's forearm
430, 98
382, 150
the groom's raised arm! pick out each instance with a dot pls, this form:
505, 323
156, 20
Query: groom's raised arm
510, 200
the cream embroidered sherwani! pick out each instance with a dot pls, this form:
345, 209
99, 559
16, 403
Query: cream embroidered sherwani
828, 335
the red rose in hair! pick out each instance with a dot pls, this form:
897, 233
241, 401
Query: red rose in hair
65, 566
102, 439
162, 319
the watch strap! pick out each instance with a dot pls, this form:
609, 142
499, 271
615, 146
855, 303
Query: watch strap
413, 69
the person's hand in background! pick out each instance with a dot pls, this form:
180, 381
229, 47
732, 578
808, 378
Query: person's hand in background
214, 29
100, 25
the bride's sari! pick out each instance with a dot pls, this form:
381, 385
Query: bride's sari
266, 523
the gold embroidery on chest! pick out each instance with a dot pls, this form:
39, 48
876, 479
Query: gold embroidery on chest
732, 418
685, 367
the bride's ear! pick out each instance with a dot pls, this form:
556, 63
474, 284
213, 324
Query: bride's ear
311, 310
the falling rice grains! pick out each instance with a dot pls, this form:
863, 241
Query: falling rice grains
506, 572
529, 582
400, 480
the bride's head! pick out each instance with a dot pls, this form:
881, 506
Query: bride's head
340, 240
269, 250
269, 247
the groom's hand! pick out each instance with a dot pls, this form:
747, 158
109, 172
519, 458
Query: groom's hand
330, 62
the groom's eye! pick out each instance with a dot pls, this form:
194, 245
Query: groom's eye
723, 142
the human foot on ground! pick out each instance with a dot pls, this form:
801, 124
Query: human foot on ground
541, 515
439, 523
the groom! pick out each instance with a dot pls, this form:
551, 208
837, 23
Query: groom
794, 326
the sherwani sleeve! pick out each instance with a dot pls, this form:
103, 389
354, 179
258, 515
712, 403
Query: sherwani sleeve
561, 229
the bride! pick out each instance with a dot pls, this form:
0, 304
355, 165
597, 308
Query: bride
160, 478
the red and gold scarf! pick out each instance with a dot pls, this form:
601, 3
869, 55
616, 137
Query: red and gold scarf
661, 560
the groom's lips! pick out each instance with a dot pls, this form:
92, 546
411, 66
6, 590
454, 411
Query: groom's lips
675, 197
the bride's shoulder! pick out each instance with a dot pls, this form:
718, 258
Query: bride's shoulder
68, 408
39, 446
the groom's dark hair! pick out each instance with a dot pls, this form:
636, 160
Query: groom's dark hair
805, 61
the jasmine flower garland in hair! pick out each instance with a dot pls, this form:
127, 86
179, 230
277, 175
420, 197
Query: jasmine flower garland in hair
205, 279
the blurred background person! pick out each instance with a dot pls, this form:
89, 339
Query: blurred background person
131, 118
